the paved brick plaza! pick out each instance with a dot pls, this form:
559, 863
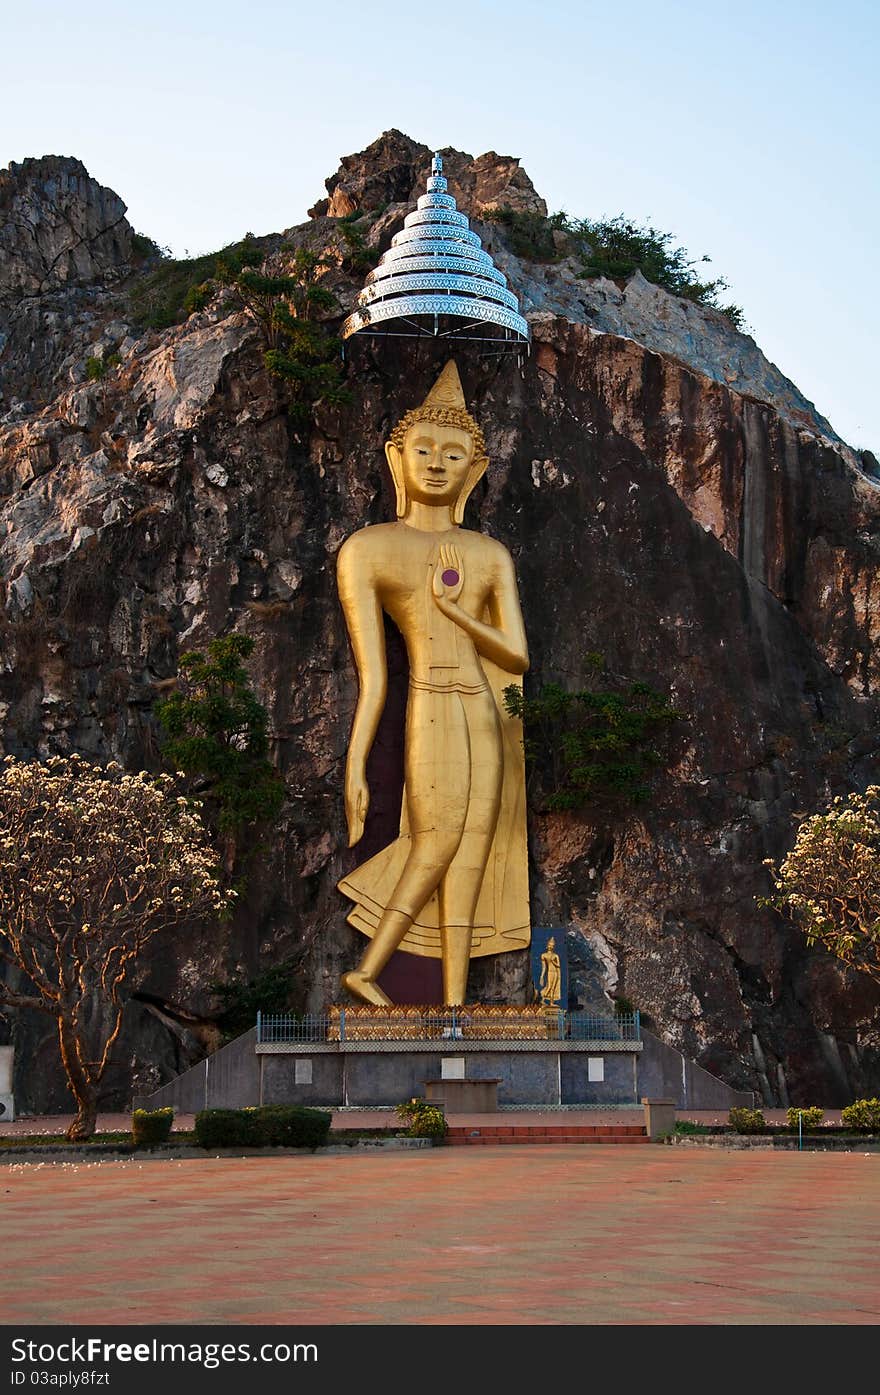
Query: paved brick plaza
543, 1235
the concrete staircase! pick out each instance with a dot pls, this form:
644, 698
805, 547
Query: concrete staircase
465, 1135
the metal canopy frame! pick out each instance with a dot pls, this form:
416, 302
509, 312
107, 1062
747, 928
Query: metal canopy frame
437, 282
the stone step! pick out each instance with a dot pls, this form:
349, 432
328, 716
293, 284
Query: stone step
462, 1135
622, 1140
518, 1130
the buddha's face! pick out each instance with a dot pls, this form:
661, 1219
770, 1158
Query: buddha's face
436, 461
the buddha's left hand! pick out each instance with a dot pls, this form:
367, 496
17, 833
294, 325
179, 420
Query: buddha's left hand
448, 575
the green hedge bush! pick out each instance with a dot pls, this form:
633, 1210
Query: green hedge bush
268, 1126
292, 1126
747, 1120
225, 1128
150, 1126
862, 1115
812, 1117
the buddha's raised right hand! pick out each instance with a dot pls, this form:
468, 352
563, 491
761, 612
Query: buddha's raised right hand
448, 580
357, 802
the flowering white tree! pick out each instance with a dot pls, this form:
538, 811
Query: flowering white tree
830, 881
94, 862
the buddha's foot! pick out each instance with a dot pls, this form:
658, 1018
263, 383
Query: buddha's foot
365, 989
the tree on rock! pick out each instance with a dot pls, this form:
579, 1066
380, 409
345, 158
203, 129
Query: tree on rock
596, 747
830, 881
217, 732
285, 297
94, 863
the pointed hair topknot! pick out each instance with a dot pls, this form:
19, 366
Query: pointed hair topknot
445, 406
447, 391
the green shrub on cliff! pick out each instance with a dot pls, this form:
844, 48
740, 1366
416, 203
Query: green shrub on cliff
283, 293
146, 249
286, 300
359, 256
177, 287
593, 746
159, 300
98, 367
241, 999
529, 234
217, 735
616, 248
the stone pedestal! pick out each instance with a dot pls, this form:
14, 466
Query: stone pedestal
351, 1061
464, 1096
7, 1106
659, 1117
543, 1074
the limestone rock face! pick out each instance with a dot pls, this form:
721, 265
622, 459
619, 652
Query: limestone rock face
64, 244
394, 168
58, 226
672, 326
706, 533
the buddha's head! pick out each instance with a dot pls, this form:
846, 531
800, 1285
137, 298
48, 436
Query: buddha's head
551, 943
436, 453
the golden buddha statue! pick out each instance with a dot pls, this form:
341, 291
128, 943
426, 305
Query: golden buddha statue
454, 884
550, 986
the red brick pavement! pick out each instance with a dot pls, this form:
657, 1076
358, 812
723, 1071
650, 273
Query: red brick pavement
386, 1118
557, 1234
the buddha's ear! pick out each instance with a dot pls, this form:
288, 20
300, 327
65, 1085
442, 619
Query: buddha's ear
472, 479
395, 464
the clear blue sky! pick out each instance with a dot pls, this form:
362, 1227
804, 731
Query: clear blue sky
749, 130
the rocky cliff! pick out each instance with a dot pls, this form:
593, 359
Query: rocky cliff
671, 500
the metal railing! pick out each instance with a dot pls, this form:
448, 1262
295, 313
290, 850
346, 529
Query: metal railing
454, 1024
589, 1026
286, 1026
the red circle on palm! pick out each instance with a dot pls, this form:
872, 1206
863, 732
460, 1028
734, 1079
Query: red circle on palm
450, 577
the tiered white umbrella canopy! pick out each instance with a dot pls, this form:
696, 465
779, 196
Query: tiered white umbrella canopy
435, 279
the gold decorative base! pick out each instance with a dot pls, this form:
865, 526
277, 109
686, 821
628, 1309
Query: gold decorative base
433, 1022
